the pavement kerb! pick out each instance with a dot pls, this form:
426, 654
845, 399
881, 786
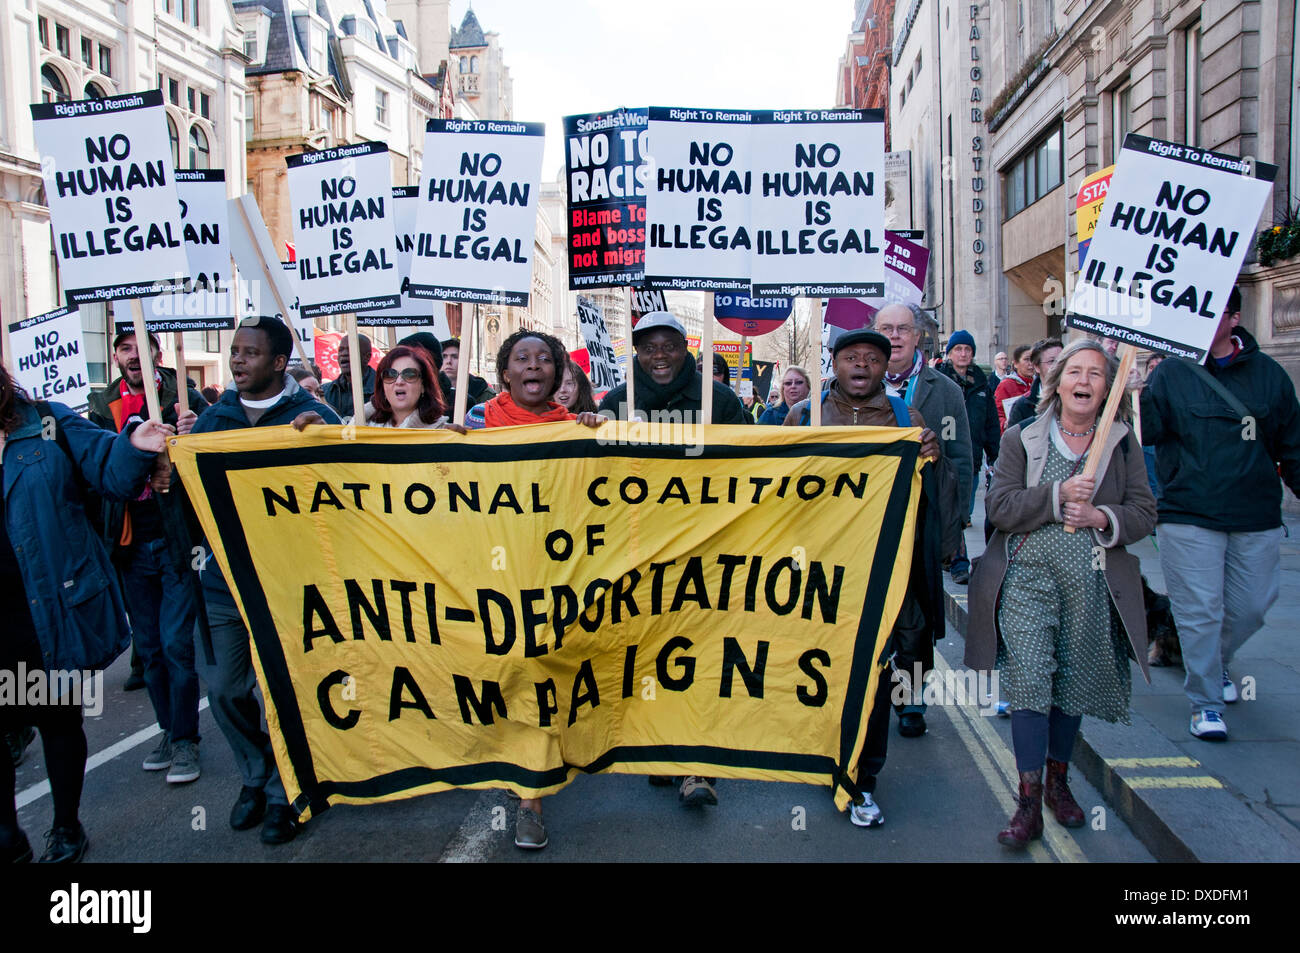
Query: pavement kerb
1173, 805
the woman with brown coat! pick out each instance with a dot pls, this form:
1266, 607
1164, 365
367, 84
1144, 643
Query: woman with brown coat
1060, 614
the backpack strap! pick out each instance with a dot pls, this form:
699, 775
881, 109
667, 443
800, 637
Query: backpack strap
1215, 385
901, 415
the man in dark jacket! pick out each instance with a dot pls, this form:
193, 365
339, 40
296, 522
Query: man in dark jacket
149, 540
667, 380
263, 396
1221, 433
981, 414
338, 392
479, 391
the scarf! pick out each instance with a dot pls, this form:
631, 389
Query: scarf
502, 411
897, 380
132, 404
652, 395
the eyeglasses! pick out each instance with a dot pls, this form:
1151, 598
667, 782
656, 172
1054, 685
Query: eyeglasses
672, 347
408, 374
889, 330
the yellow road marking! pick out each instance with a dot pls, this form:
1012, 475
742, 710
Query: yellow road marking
1198, 781
994, 758
1176, 762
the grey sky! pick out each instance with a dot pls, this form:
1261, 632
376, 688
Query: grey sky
581, 56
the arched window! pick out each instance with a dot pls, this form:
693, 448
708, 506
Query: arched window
52, 88
94, 92
473, 64
198, 148
174, 137
464, 64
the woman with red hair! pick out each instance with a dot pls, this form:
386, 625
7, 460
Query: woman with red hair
407, 395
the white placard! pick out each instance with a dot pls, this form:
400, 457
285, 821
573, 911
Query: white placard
478, 211
818, 204
254, 254
209, 303
343, 232
107, 166
698, 200
1174, 230
411, 312
605, 371
48, 358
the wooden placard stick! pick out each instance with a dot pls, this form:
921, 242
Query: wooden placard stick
182, 378
280, 303
815, 334
630, 354
706, 363
740, 363
354, 369
145, 350
1127, 355
462, 371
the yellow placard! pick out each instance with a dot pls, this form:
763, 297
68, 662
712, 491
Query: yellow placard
513, 607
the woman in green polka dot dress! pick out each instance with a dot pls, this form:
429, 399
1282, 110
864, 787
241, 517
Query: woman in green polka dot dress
1059, 613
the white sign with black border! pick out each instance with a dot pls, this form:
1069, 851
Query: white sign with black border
49, 358
209, 302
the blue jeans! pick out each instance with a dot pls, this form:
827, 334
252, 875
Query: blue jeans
161, 604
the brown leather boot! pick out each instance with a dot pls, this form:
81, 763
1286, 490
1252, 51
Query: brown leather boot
1057, 796
1027, 823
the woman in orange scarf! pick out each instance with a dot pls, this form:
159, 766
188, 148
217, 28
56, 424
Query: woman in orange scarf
531, 366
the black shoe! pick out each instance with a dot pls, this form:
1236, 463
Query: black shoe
911, 724
19, 852
961, 576
65, 845
280, 826
248, 810
134, 681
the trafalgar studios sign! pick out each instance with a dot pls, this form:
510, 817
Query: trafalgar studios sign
1174, 229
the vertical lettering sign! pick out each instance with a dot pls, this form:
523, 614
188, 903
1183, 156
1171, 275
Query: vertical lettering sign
698, 200
343, 229
977, 140
1173, 233
478, 211
606, 175
49, 360
411, 311
107, 167
208, 302
605, 371
818, 203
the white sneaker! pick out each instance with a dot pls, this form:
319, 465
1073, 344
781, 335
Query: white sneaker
1208, 725
867, 814
1229, 689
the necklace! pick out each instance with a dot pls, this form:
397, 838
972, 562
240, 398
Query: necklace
1084, 434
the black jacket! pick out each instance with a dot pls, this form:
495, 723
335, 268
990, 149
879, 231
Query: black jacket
981, 412
727, 408
338, 392
1217, 470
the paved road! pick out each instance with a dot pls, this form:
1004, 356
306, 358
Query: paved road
944, 796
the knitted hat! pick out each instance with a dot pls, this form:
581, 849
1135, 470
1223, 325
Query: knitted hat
961, 337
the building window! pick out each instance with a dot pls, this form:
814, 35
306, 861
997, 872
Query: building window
174, 138
198, 148
1035, 172
94, 92
62, 40
94, 328
191, 97
1121, 120
174, 92
250, 47
464, 64
205, 105
248, 116
88, 52
1049, 16
43, 31
327, 120
1192, 111
52, 88
187, 11
318, 49
381, 107
105, 60
1020, 32
473, 64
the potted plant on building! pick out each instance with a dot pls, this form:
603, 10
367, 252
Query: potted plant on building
1282, 241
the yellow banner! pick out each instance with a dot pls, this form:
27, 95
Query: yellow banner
512, 607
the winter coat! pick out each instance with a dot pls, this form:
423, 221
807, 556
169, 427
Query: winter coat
1018, 502
228, 414
1009, 387
981, 415
940, 400
1026, 406
72, 590
775, 415
727, 408
1215, 469
338, 392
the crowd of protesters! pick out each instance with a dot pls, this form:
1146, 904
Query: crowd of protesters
1060, 625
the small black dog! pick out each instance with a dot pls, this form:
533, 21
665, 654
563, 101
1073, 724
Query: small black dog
1163, 649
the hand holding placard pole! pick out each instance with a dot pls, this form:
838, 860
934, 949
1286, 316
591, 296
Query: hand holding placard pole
1127, 355
706, 363
355, 370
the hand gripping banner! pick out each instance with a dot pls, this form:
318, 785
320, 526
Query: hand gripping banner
513, 607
